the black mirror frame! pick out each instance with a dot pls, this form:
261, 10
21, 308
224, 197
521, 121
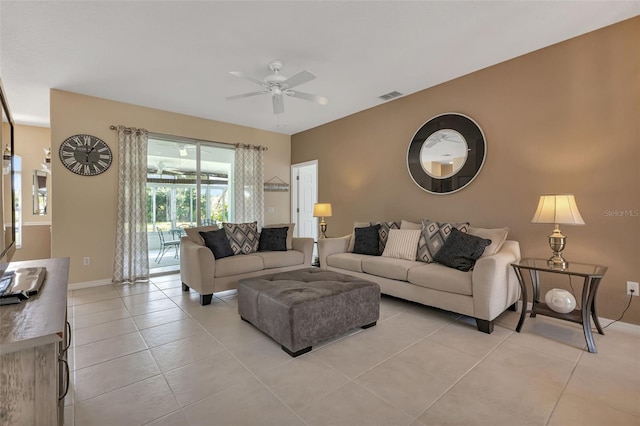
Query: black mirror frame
476, 145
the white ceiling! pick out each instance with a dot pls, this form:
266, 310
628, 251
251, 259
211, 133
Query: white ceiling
176, 56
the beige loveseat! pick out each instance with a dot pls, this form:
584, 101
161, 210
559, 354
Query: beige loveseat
482, 293
200, 271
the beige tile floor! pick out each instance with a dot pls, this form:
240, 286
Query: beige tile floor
150, 354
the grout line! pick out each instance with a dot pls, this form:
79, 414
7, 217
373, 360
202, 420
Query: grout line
555, 405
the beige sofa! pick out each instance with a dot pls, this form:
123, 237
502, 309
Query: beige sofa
200, 271
482, 293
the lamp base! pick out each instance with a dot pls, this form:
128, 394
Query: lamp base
557, 242
557, 262
323, 229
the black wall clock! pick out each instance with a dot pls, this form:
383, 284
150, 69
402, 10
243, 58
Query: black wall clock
85, 155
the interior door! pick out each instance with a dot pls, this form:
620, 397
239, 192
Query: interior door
305, 195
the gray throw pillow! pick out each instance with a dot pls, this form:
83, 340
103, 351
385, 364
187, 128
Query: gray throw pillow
433, 236
273, 239
383, 232
367, 240
460, 251
243, 237
218, 243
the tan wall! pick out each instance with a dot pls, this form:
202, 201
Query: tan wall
29, 144
84, 208
564, 119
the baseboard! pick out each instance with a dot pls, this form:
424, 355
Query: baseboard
88, 284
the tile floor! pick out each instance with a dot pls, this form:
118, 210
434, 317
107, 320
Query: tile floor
150, 354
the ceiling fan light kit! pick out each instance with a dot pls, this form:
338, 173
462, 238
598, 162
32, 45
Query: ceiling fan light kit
276, 84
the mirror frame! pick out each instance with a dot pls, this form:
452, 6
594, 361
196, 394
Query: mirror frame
476, 146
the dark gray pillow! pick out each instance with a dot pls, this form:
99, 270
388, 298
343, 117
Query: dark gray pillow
366, 240
273, 239
460, 251
218, 243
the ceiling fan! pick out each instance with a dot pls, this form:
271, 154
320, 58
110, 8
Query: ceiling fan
277, 85
444, 135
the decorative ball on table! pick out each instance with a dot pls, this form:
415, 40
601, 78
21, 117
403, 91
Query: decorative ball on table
560, 301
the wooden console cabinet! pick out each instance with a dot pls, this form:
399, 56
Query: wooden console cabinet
34, 338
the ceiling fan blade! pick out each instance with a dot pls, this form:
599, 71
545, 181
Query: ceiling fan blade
278, 104
298, 79
247, 77
308, 97
246, 95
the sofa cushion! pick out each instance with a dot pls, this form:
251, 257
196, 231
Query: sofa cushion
367, 240
440, 277
353, 234
273, 239
289, 232
194, 233
461, 251
433, 236
218, 243
239, 264
242, 236
402, 244
348, 261
387, 267
279, 259
383, 232
497, 236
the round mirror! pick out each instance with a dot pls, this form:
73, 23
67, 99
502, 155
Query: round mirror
446, 153
443, 153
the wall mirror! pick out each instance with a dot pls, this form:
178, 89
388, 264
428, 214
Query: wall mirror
446, 153
39, 192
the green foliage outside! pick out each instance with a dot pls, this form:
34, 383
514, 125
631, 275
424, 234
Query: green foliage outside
184, 216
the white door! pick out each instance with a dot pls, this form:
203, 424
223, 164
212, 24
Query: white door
304, 195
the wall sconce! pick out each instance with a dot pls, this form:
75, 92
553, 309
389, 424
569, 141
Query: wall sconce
46, 165
322, 210
557, 209
6, 160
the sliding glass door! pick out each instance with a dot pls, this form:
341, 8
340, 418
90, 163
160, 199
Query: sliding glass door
187, 185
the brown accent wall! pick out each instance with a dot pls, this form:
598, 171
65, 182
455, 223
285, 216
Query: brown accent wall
564, 119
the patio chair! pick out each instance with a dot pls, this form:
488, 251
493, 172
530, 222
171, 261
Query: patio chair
166, 245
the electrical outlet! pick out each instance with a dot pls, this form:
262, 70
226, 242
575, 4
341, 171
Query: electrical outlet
632, 288
86, 261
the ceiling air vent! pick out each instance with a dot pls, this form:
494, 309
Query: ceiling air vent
390, 95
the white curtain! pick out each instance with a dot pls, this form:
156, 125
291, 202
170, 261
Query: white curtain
249, 184
131, 258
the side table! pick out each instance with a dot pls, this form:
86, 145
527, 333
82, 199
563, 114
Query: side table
591, 274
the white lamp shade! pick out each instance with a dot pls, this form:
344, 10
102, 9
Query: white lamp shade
557, 209
322, 210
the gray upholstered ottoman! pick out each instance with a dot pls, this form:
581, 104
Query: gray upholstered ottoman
301, 308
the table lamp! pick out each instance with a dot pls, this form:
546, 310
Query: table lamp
322, 210
557, 209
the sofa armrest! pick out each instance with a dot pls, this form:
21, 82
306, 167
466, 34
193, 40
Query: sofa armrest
495, 286
329, 246
197, 266
304, 245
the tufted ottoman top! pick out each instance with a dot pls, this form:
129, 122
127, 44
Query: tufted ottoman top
302, 307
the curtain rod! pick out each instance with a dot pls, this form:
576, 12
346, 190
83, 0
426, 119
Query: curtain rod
237, 145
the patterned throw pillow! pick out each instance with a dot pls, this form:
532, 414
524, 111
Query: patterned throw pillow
434, 235
383, 233
243, 237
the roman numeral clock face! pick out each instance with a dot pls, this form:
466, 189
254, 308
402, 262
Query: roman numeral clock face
85, 155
